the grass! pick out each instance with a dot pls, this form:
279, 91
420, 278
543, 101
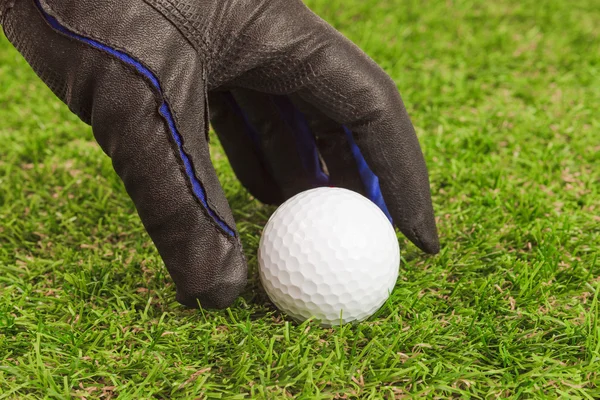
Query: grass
505, 99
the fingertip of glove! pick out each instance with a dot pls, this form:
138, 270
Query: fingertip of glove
217, 297
430, 246
216, 289
424, 236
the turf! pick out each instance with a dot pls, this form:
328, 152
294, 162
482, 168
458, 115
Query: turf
505, 97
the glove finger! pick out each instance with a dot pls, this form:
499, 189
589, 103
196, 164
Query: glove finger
283, 139
351, 89
143, 121
241, 143
381, 129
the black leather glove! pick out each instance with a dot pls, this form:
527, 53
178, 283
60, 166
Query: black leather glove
295, 104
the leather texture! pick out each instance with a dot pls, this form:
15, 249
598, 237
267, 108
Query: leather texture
281, 87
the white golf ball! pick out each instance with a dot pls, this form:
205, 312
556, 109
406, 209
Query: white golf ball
329, 253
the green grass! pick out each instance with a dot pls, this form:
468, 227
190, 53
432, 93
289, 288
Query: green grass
505, 97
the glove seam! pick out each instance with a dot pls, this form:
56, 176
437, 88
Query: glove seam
202, 45
209, 202
188, 30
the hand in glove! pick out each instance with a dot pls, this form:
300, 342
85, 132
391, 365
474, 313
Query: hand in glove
295, 105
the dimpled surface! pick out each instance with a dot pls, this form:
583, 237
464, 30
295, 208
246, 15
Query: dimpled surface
328, 253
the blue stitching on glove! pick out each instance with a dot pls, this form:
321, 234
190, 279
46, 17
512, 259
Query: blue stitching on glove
370, 180
305, 140
164, 110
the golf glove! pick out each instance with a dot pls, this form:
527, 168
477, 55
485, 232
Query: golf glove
294, 103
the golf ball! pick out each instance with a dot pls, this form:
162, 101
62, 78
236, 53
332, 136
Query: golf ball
329, 254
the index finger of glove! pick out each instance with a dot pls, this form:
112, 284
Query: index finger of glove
151, 126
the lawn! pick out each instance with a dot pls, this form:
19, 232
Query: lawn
505, 97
